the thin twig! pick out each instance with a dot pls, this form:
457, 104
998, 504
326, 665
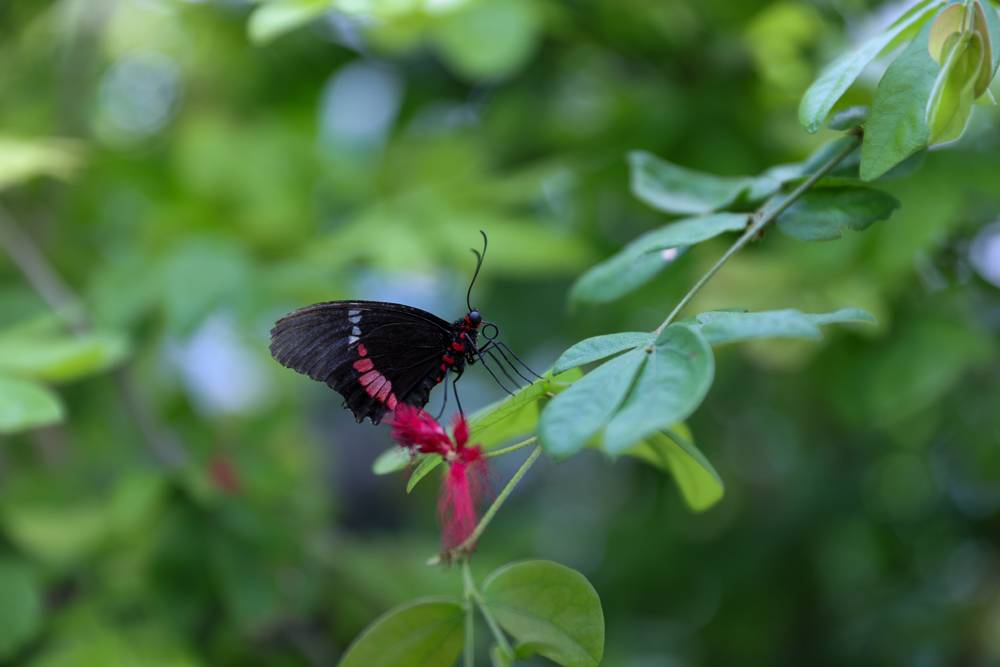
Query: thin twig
40, 275
762, 217
50, 286
512, 448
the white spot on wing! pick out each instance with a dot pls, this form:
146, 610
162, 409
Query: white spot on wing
354, 319
356, 331
351, 340
354, 313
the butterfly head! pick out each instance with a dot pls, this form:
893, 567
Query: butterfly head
474, 319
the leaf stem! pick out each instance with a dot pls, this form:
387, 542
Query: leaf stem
498, 634
467, 545
759, 219
512, 448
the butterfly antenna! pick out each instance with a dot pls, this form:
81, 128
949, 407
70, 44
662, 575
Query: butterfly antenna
479, 264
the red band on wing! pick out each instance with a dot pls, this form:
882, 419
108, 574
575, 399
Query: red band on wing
383, 393
376, 385
363, 365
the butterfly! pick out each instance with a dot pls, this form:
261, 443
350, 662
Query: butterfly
378, 354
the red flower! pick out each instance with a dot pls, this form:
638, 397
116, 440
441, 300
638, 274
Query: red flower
415, 429
224, 474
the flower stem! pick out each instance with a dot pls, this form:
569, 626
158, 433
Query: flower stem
512, 448
469, 659
465, 546
472, 595
760, 218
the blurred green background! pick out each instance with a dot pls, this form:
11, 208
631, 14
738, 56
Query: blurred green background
191, 176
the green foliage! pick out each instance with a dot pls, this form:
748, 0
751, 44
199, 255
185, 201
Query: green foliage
722, 327
600, 347
834, 81
675, 377
673, 189
273, 19
483, 39
927, 93
424, 633
898, 125
673, 451
550, 610
648, 255
20, 606
824, 213
508, 26
50, 357
579, 413
38, 352
22, 159
954, 92
421, 470
208, 183
25, 405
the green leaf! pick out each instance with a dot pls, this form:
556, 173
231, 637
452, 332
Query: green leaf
517, 415
488, 39
500, 658
950, 25
834, 81
599, 347
20, 606
576, 415
671, 385
953, 95
423, 633
720, 327
674, 452
897, 126
424, 468
25, 405
823, 213
848, 118
273, 19
549, 608
987, 13
690, 231
24, 159
649, 254
392, 460
59, 535
60, 359
673, 189
620, 274
201, 275
950, 21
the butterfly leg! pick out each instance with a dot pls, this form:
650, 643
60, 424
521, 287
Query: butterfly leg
492, 374
444, 403
454, 386
502, 347
495, 345
503, 369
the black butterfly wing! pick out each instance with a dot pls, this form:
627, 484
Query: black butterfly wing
374, 354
